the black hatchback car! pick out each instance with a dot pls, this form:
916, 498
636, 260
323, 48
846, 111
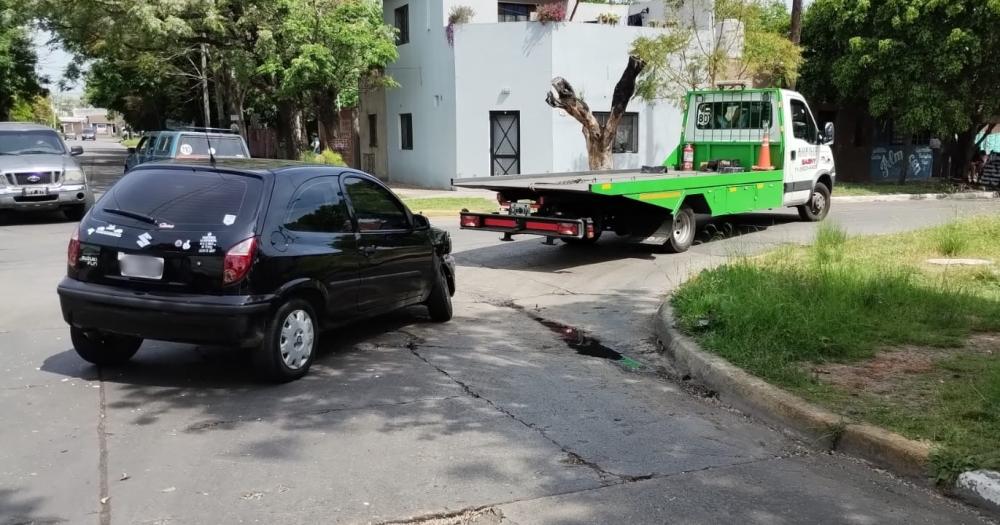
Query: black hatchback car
259, 254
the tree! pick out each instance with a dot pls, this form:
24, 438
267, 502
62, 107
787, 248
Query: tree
795, 32
926, 66
18, 80
750, 44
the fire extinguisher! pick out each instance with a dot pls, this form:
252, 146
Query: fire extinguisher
687, 163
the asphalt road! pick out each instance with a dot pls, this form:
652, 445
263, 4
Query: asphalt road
491, 416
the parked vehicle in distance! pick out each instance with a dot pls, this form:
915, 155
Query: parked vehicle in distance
69, 135
189, 143
38, 172
254, 253
716, 169
89, 134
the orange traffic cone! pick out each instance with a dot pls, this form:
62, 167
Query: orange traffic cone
764, 158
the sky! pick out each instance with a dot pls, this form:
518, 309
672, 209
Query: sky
52, 59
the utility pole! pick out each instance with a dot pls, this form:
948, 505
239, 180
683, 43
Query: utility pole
204, 85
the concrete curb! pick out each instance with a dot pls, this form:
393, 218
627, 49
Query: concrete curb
819, 426
965, 195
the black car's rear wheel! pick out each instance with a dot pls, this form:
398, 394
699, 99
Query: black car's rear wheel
289, 344
102, 348
439, 302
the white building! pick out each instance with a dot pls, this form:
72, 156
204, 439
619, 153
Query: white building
476, 106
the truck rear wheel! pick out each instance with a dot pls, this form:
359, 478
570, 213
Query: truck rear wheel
682, 232
818, 206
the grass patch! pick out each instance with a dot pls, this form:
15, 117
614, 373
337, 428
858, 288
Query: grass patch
783, 315
449, 205
130, 143
871, 188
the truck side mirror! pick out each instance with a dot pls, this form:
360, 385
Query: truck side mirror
828, 133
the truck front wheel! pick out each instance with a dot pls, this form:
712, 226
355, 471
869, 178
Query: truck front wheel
682, 232
818, 206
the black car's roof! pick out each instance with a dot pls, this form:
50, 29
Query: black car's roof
253, 166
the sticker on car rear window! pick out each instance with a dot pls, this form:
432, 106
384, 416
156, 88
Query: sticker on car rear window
228, 219
144, 239
165, 226
183, 244
207, 243
110, 230
186, 149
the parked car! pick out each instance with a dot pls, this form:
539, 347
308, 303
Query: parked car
191, 143
69, 135
256, 254
38, 171
88, 134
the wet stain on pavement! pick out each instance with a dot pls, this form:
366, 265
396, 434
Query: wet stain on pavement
586, 345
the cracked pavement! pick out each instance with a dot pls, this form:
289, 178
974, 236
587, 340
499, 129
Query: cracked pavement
488, 419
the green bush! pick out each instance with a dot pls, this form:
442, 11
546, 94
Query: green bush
328, 156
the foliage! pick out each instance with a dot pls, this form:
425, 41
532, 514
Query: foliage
38, 109
18, 79
611, 19
460, 14
686, 58
449, 206
927, 65
328, 156
553, 12
844, 300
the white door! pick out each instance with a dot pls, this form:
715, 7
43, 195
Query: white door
802, 157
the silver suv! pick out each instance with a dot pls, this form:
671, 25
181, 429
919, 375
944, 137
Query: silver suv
38, 171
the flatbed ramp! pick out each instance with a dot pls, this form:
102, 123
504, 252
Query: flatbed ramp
580, 181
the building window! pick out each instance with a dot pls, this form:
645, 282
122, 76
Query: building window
402, 25
372, 130
507, 12
406, 130
627, 135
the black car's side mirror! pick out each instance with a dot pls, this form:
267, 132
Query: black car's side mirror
76, 150
420, 222
131, 151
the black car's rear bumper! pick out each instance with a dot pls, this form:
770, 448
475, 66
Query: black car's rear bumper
207, 319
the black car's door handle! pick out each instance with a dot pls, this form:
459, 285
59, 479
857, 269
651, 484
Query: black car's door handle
369, 250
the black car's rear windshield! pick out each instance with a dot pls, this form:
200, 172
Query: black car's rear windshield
198, 146
30, 142
184, 198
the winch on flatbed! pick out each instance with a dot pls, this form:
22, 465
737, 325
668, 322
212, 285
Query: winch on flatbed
730, 142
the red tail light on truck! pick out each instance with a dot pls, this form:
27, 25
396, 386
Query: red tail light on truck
470, 221
238, 261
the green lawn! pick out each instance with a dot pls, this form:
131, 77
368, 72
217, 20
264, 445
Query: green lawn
449, 205
870, 188
875, 306
130, 143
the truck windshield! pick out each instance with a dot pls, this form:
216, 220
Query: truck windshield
30, 143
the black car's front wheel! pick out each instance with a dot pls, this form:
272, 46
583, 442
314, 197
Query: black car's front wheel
102, 348
439, 302
289, 344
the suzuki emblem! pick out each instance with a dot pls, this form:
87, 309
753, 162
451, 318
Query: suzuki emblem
34, 178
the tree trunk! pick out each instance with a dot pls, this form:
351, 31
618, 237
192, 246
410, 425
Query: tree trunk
795, 32
961, 154
220, 104
904, 172
329, 119
599, 139
204, 86
290, 129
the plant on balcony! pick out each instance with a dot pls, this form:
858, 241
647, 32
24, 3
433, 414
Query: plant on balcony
610, 19
460, 14
554, 12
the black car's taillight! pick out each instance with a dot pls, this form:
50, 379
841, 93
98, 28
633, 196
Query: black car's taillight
73, 253
238, 261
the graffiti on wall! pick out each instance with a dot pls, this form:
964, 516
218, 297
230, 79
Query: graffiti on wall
887, 163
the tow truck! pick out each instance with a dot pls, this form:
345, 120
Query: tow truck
721, 166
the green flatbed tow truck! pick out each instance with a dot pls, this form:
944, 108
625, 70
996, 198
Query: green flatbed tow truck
711, 171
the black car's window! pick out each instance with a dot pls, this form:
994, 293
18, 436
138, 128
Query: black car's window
223, 146
141, 146
318, 207
185, 198
30, 142
375, 208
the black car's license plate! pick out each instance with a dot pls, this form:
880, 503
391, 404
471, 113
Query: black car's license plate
140, 266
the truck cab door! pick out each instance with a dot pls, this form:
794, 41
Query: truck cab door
802, 155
